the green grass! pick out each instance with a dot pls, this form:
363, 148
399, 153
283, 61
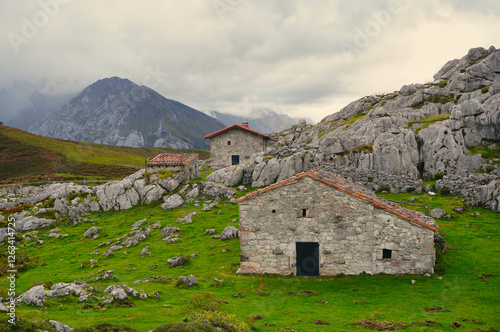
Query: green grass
284, 301
489, 153
429, 120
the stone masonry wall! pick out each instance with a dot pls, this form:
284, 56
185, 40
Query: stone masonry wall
242, 144
351, 233
190, 170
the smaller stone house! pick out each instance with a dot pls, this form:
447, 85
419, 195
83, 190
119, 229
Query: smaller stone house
186, 163
317, 223
235, 144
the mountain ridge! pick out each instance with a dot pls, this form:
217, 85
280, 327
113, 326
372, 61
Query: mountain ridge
116, 111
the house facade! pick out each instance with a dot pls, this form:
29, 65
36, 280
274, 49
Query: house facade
235, 144
317, 223
186, 163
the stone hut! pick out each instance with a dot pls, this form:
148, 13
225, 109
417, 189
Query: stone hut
317, 223
235, 144
186, 163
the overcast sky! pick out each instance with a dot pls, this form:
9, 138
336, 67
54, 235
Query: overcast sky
300, 57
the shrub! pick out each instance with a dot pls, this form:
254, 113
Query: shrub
438, 176
220, 319
24, 325
410, 189
75, 195
444, 191
485, 89
443, 84
105, 327
186, 327
204, 301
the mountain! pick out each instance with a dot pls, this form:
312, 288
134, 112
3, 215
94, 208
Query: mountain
261, 119
448, 129
115, 111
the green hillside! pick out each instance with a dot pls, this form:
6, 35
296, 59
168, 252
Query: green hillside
463, 291
28, 157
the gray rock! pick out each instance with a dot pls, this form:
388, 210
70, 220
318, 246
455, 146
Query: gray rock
60, 327
112, 250
189, 281
91, 231
135, 237
210, 231
187, 219
171, 202
437, 213
230, 232
190, 196
145, 251
177, 261
169, 230
138, 224
32, 223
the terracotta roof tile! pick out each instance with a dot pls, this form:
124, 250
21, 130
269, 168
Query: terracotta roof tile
355, 190
172, 159
236, 126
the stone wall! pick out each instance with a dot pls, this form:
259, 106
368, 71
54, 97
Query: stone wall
351, 233
190, 170
242, 144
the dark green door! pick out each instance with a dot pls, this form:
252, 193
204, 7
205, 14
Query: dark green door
307, 258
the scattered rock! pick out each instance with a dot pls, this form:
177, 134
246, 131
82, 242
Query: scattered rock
172, 202
177, 261
145, 251
188, 281
138, 224
230, 232
60, 327
91, 231
112, 250
437, 213
187, 219
210, 231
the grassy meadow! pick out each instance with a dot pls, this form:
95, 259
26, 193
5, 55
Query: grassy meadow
28, 157
463, 291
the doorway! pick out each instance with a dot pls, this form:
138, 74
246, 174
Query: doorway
307, 258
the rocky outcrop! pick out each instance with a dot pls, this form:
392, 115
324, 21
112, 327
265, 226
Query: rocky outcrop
91, 231
419, 131
31, 223
230, 232
171, 202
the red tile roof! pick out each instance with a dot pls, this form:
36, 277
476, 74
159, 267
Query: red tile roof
236, 126
355, 190
172, 159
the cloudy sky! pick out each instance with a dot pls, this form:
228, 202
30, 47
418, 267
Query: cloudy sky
300, 57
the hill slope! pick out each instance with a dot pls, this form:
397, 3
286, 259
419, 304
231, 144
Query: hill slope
26, 156
116, 111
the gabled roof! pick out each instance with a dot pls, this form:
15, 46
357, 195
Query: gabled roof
172, 159
355, 190
236, 126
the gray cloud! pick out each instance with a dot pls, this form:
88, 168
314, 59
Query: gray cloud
292, 56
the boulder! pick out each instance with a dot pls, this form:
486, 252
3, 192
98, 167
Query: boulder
152, 193
135, 237
188, 281
169, 230
32, 223
437, 213
112, 250
210, 231
177, 261
91, 231
138, 224
171, 202
170, 184
187, 219
60, 327
230, 232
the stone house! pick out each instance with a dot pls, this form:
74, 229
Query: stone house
186, 163
235, 144
317, 223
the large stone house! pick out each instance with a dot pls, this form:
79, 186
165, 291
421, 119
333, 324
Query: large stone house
186, 163
317, 223
235, 144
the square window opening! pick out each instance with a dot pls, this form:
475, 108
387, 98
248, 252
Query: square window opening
228, 142
386, 254
273, 211
304, 213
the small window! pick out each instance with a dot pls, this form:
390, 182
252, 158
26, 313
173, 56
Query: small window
228, 142
304, 213
273, 211
386, 254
